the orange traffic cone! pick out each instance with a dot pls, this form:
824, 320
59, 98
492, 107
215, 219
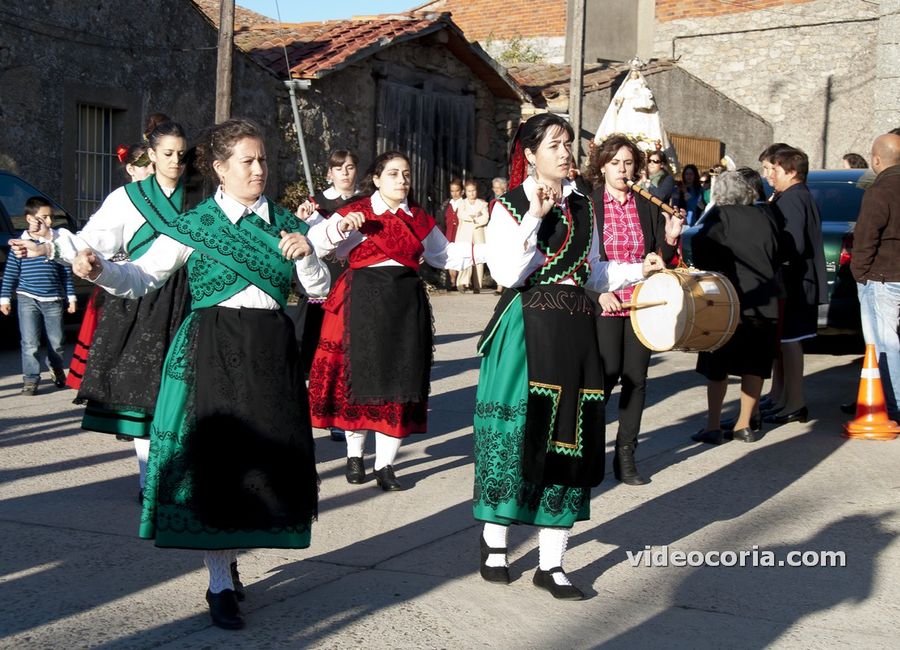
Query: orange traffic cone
872, 421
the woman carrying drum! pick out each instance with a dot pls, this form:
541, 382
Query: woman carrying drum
630, 228
739, 239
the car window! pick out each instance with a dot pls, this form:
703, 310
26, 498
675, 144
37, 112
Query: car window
837, 201
13, 194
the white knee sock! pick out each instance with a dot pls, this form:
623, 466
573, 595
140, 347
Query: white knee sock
356, 443
386, 448
552, 545
495, 537
142, 449
218, 563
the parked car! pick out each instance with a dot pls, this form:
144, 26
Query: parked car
838, 195
14, 191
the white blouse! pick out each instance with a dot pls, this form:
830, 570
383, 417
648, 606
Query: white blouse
108, 231
327, 238
165, 256
512, 254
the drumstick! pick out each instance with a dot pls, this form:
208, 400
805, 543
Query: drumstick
643, 305
654, 200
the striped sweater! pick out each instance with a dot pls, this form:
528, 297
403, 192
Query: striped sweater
38, 278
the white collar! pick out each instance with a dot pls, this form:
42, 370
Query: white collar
379, 207
332, 193
529, 184
234, 209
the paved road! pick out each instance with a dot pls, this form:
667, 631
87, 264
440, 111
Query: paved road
400, 570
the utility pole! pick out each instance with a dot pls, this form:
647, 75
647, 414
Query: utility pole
223, 60
576, 81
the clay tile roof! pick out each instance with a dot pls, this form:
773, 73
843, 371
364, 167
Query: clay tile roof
548, 83
315, 50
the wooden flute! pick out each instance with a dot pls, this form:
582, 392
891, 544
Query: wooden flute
634, 187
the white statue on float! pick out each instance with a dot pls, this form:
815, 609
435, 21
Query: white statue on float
633, 112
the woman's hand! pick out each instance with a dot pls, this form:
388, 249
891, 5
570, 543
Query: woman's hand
674, 226
545, 197
353, 221
609, 303
652, 264
22, 248
306, 210
87, 265
294, 245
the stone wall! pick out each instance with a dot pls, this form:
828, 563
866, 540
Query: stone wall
808, 68
135, 56
887, 65
685, 103
339, 109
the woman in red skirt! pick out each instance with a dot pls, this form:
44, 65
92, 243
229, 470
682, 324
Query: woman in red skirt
372, 368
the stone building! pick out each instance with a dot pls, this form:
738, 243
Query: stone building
823, 73
410, 82
78, 78
685, 104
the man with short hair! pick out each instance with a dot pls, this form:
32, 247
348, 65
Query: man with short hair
875, 263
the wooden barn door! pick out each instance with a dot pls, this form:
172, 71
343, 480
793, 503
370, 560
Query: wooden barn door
435, 128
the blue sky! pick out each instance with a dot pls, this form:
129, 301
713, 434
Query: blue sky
304, 11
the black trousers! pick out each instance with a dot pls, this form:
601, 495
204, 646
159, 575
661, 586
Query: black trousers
625, 359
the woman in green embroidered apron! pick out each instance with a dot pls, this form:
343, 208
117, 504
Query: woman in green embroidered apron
121, 379
231, 456
539, 414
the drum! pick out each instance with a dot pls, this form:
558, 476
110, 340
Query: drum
685, 310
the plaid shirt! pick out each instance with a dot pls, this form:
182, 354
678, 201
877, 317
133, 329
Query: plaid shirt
623, 239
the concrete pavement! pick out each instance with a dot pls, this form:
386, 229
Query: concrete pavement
401, 570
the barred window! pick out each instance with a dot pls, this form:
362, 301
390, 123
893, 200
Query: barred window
95, 159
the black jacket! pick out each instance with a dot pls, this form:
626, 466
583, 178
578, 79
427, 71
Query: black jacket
653, 227
802, 246
741, 242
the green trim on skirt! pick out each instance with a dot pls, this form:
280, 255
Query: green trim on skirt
122, 423
502, 496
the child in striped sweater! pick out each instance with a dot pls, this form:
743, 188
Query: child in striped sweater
41, 286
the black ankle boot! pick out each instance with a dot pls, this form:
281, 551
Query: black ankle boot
387, 480
624, 468
224, 610
236, 580
356, 471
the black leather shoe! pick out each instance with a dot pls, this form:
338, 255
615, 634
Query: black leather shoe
624, 468
356, 471
544, 580
386, 479
224, 610
499, 574
800, 415
709, 436
744, 435
238, 585
849, 408
755, 423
